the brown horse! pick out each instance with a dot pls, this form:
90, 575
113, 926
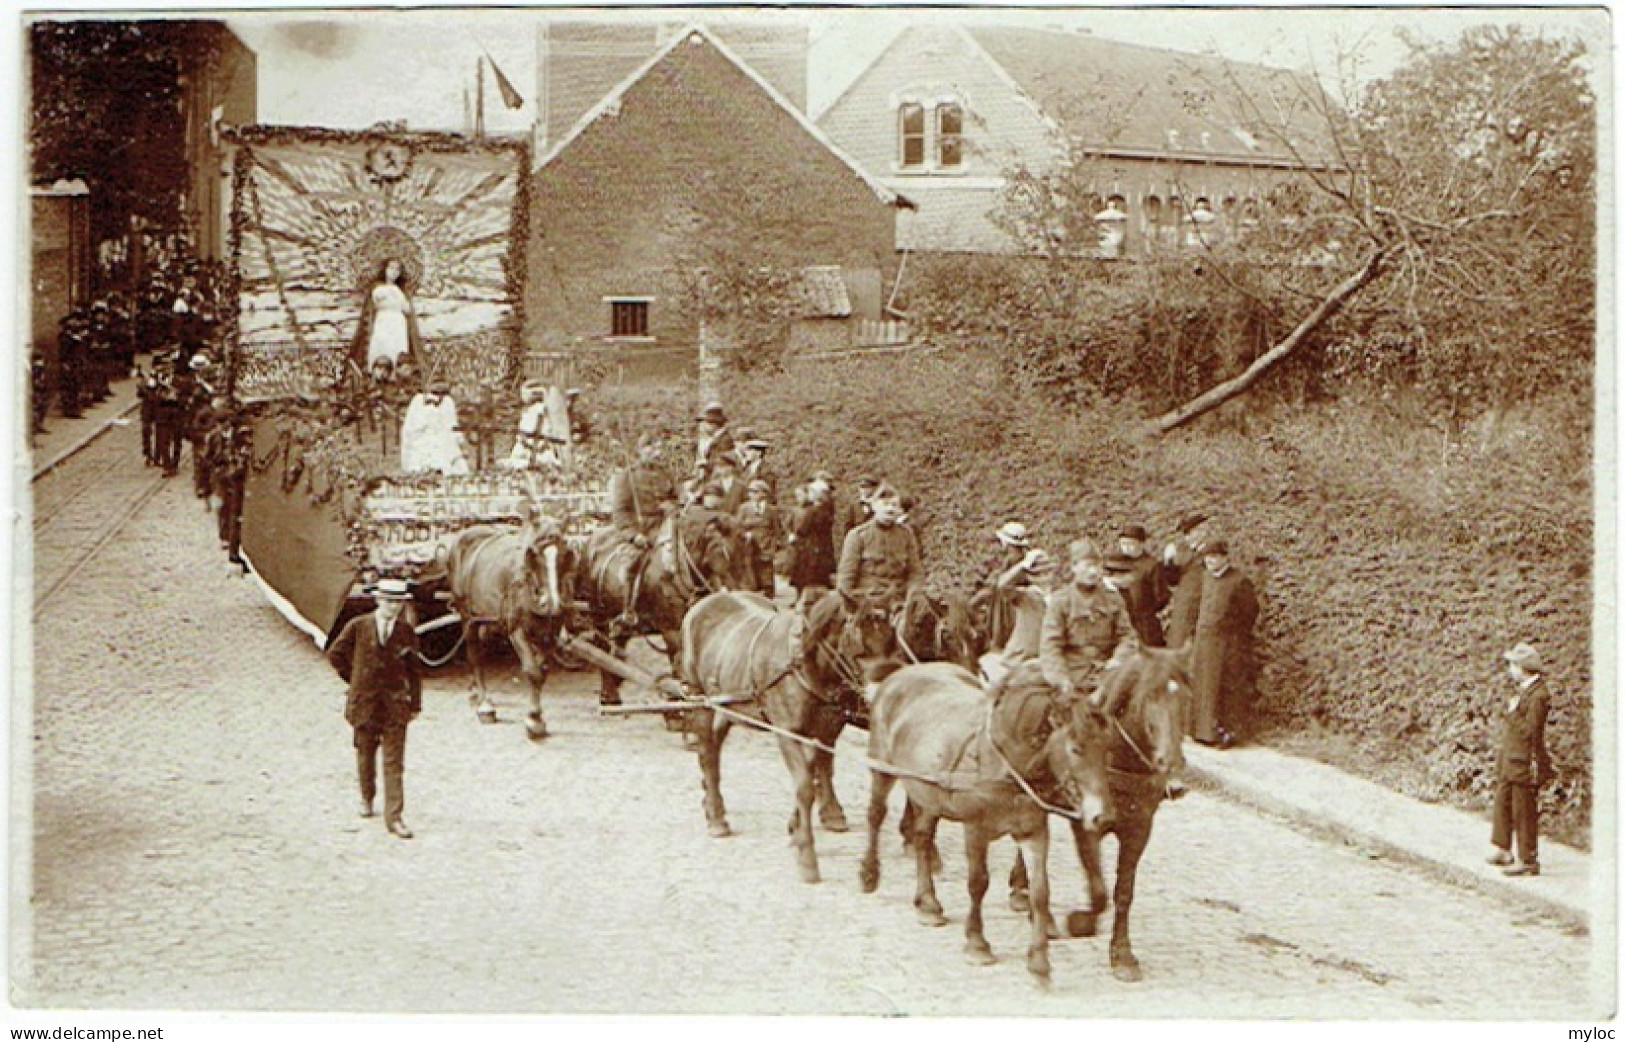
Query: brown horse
805, 677
521, 583
939, 629
962, 756
1145, 700
631, 593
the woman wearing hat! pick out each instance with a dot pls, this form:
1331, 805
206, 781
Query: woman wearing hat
759, 521
1019, 567
377, 655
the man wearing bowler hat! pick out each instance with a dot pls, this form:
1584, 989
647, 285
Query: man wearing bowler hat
1141, 581
377, 654
1522, 765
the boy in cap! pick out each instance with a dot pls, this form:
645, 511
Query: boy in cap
1522, 765
377, 655
759, 521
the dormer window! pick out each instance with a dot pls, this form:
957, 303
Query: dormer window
911, 133
950, 135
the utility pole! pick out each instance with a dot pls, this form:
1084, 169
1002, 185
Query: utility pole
479, 97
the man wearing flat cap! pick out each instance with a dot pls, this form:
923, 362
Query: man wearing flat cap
377, 655
850, 516
1522, 764
714, 441
1222, 666
752, 454
880, 560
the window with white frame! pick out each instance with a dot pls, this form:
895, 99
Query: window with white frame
950, 135
911, 134
628, 316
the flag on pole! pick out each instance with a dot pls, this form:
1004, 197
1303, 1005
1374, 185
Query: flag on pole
510, 96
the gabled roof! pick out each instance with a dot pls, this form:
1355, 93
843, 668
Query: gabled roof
1128, 98
611, 103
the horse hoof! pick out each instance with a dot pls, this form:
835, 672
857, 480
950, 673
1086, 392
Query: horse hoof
834, 823
1038, 966
980, 955
930, 917
487, 715
1128, 972
719, 830
1082, 924
869, 878
1052, 931
1020, 902
536, 732
809, 874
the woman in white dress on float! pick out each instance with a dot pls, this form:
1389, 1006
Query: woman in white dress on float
388, 323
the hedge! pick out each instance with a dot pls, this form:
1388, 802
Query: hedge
1394, 564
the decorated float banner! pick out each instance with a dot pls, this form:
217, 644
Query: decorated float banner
375, 252
409, 524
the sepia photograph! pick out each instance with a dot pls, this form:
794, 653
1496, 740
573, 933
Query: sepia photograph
1076, 513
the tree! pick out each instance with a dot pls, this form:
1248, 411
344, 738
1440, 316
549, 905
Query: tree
106, 106
1448, 214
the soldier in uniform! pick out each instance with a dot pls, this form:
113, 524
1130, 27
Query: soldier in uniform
70, 348
229, 454
640, 495
880, 559
39, 391
1087, 629
99, 352
203, 421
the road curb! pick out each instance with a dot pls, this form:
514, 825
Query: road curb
79, 446
1325, 826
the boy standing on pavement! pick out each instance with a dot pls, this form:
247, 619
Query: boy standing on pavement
1522, 765
377, 654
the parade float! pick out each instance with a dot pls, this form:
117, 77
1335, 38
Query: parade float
349, 249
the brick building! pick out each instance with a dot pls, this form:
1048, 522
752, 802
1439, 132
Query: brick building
944, 114
692, 160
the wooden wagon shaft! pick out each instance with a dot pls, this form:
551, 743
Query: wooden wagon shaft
605, 661
686, 705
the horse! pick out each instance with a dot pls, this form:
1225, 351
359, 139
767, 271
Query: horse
997, 767
501, 577
804, 676
939, 629
1145, 700
631, 593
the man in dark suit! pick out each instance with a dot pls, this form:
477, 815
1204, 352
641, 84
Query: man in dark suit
1522, 765
377, 654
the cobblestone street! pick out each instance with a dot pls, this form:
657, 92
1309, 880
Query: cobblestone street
196, 846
